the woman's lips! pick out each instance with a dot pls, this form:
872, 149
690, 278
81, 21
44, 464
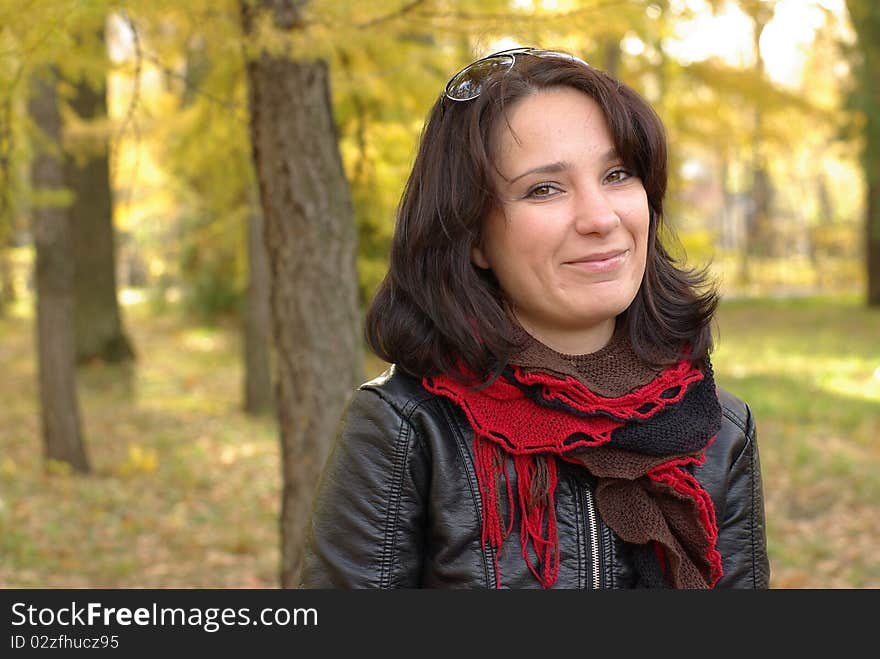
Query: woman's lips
604, 262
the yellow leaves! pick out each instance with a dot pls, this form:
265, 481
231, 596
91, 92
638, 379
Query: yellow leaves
692, 247
186, 487
51, 197
203, 339
58, 468
231, 453
140, 460
8, 469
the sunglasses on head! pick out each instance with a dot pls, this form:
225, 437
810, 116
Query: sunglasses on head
468, 83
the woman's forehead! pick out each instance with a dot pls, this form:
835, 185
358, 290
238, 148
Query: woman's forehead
555, 125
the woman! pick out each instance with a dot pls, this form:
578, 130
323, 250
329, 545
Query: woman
551, 418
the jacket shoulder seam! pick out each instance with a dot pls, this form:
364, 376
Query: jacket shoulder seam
732, 416
410, 404
402, 444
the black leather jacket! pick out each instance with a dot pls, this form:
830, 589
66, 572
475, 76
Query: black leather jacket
398, 504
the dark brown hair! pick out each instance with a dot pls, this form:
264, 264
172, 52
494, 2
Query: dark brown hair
435, 311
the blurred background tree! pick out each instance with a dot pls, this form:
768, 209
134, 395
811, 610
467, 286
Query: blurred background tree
53, 242
98, 325
865, 100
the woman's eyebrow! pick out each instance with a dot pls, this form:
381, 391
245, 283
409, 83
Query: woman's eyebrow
549, 168
609, 156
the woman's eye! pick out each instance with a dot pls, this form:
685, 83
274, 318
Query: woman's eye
617, 175
542, 191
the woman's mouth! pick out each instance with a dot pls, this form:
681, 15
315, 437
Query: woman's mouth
600, 262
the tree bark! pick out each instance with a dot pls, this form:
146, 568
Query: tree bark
865, 18
7, 283
872, 240
758, 229
611, 48
258, 395
54, 275
311, 241
99, 333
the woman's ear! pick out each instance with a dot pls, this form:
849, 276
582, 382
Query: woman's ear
478, 258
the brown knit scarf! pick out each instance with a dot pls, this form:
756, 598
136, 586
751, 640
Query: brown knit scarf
635, 427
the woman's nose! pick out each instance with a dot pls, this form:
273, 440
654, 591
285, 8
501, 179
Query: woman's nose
593, 213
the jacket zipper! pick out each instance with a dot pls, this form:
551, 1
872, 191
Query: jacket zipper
593, 532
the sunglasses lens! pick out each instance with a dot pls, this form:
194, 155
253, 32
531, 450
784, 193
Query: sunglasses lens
468, 83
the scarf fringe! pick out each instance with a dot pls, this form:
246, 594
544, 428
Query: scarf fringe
537, 513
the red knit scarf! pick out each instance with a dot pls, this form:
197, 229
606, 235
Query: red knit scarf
639, 446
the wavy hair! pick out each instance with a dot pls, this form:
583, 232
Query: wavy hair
435, 311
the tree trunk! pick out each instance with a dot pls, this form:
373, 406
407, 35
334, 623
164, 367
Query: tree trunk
759, 234
758, 229
872, 240
311, 241
865, 18
728, 235
611, 48
7, 283
258, 396
54, 277
99, 333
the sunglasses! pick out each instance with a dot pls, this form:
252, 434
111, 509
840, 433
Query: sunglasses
468, 83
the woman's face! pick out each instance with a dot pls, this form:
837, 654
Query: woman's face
568, 237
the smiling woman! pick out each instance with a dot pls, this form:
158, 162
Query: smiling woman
567, 240
551, 364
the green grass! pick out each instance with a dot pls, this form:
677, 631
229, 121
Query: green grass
810, 370
186, 487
